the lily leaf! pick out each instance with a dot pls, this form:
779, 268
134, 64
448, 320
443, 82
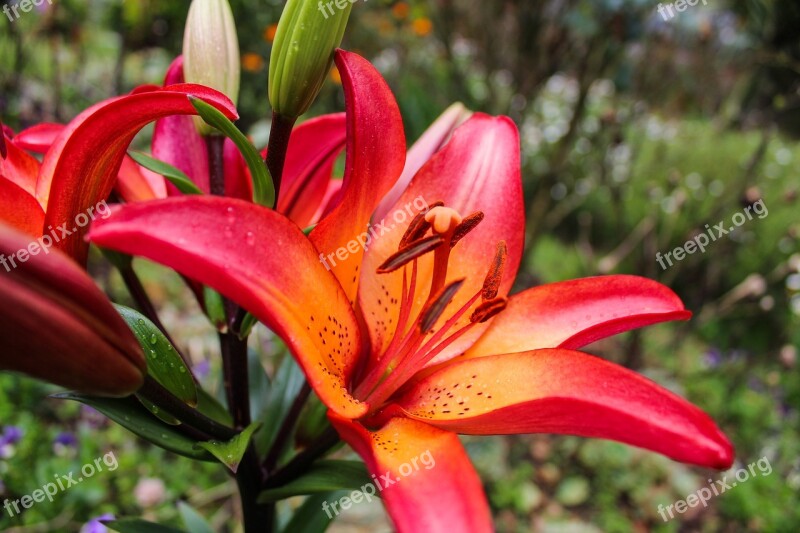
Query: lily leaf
308, 518
136, 525
263, 187
209, 406
230, 453
130, 414
323, 476
286, 385
180, 180
163, 362
192, 520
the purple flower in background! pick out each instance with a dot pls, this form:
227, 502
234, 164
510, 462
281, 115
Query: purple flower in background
66, 439
713, 357
202, 369
95, 525
11, 435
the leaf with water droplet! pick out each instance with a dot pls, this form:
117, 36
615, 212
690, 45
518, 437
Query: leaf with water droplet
321, 477
164, 364
230, 453
130, 414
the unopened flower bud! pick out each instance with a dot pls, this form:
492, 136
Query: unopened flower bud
211, 50
308, 33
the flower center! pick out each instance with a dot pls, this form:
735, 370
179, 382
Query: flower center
415, 343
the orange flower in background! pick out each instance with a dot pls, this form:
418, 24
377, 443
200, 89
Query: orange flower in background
269, 32
401, 10
252, 62
422, 26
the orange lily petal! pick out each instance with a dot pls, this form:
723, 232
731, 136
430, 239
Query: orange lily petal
478, 170
567, 392
572, 314
55, 324
252, 255
443, 493
376, 150
81, 167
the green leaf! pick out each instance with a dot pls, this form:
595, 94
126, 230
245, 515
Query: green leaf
209, 406
194, 521
263, 187
230, 453
136, 525
180, 180
160, 413
248, 323
130, 414
310, 518
323, 476
163, 361
286, 384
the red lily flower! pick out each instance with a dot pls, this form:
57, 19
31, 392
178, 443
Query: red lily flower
36, 197
414, 339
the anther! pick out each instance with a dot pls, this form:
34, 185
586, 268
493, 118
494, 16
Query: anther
495, 275
469, 223
488, 309
412, 251
432, 313
416, 230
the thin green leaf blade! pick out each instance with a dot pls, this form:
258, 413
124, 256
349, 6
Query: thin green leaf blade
175, 176
322, 477
192, 520
309, 517
263, 187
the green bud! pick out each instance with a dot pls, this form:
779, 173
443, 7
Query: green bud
308, 34
211, 50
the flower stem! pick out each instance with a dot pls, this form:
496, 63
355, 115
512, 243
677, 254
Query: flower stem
237, 381
280, 132
216, 164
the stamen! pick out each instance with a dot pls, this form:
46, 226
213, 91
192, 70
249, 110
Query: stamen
492, 282
434, 311
488, 309
416, 230
413, 251
469, 224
